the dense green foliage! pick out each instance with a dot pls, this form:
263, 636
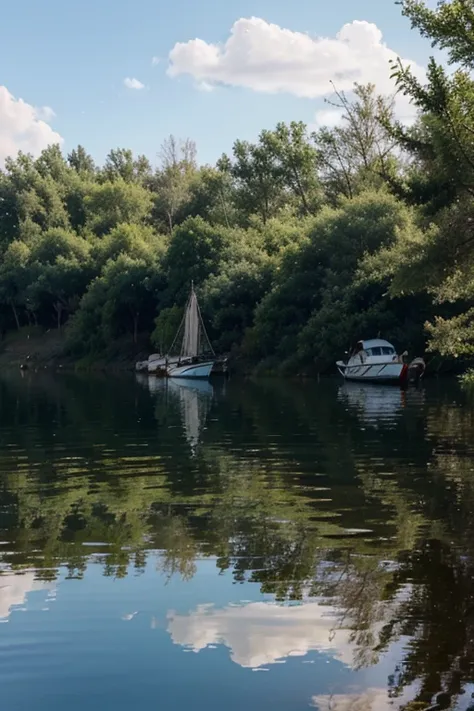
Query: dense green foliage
299, 243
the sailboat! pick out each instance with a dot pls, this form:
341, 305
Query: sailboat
196, 357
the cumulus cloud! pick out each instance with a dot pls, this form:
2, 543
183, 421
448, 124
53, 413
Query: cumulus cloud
262, 633
155, 60
328, 117
46, 113
24, 127
268, 58
132, 83
369, 700
14, 589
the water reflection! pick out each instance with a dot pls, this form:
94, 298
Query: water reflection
379, 405
368, 700
262, 633
342, 516
14, 591
194, 397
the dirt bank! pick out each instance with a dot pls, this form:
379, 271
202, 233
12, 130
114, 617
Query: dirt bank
32, 349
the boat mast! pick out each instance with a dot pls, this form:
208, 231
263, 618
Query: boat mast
190, 344
192, 327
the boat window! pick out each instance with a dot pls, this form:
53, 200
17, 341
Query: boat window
376, 351
387, 351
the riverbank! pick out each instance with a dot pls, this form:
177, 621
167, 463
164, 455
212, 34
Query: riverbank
32, 348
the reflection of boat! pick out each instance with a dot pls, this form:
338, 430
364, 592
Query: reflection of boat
376, 360
195, 399
196, 357
377, 405
374, 403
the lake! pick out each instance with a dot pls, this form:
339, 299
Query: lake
240, 545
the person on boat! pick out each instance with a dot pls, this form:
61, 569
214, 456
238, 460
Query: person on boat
359, 350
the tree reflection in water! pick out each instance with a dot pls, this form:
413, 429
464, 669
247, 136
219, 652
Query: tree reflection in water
359, 498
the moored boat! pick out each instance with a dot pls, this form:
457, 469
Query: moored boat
193, 368
376, 360
157, 365
196, 357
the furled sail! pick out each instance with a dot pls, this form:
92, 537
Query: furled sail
192, 334
190, 346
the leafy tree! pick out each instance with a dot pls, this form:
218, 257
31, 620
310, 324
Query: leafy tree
15, 275
211, 196
113, 203
121, 164
259, 186
195, 251
62, 268
166, 327
81, 161
440, 261
51, 163
129, 294
9, 215
172, 182
33, 194
448, 27
137, 241
359, 153
123, 299
296, 163
315, 291
229, 298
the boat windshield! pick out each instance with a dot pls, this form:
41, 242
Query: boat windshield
380, 350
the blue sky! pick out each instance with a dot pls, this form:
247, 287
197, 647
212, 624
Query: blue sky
74, 57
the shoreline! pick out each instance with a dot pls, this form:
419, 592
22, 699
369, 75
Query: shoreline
31, 349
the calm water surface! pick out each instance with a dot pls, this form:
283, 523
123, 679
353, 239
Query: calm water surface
234, 546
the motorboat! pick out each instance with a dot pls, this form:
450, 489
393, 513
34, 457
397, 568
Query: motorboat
376, 360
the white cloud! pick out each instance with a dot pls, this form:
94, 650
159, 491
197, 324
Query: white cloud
24, 127
369, 700
155, 61
46, 113
267, 58
14, 589
262, 633
328, 117
132, 83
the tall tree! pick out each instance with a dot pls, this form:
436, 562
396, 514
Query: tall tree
172, 182
358, 153
441, 261
296, 163
259, 185
114, 202
15, 276
121, 164
81, 161
61, 269
449, 26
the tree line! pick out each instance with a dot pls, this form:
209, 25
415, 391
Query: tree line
300, 243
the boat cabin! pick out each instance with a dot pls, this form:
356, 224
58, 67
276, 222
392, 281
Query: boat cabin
373, 351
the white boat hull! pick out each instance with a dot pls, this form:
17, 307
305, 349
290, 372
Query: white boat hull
377, 372
192, 370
